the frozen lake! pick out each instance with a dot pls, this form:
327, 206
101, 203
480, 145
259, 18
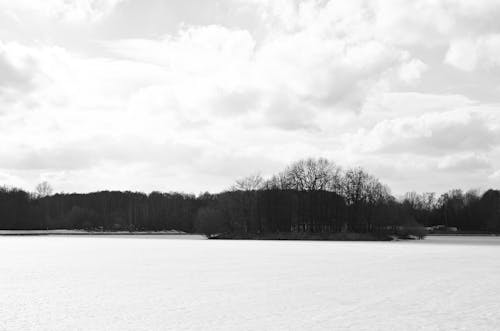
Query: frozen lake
136, 283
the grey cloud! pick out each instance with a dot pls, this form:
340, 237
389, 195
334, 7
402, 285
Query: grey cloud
471, 135
287, 113
233, 103
94, 151
16, 77
464, 163
232, 165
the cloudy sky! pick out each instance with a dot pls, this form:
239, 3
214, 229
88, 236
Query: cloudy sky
189, 95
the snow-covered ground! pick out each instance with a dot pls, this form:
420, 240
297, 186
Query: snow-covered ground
138, 283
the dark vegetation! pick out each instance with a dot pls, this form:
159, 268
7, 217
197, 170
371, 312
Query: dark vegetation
311, 198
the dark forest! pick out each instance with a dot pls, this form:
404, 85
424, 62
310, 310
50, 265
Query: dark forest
309, 196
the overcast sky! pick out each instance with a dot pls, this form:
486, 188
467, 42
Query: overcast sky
189, 95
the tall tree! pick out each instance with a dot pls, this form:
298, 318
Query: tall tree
43, 189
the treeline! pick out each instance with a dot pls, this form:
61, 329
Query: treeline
467, 211
310, 196
106, 210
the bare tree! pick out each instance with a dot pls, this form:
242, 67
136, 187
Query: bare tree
424, 201
245, 199
354, 185
313, 175
376, 192
277, 182
43, 189
360, 187
249, 183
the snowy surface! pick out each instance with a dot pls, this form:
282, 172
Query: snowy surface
138, 283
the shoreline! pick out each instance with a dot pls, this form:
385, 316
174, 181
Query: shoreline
463, 234
345, 236
341, 236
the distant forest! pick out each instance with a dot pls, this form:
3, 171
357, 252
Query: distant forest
310, 196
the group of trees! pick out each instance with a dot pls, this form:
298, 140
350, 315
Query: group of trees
467, 211
106, 210
312, 195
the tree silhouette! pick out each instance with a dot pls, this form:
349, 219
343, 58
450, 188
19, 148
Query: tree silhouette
43, 189
310, 195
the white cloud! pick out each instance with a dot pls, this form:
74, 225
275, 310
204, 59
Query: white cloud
462, 54
429, 134
312, 71
468, 54
65, 10
362, 82
412, 71
18, 67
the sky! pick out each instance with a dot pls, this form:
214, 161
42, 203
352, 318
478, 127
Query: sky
186, 95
